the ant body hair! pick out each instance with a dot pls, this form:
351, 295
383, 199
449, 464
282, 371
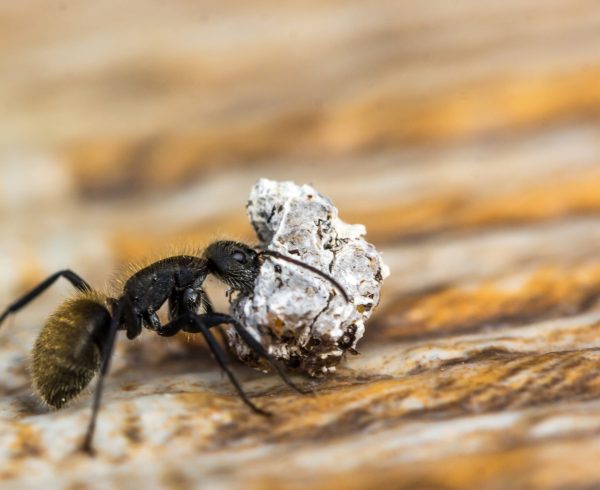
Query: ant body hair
77, 341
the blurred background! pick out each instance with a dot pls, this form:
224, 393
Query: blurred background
127, 126
465, 135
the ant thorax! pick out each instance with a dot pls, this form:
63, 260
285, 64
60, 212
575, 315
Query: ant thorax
300, 317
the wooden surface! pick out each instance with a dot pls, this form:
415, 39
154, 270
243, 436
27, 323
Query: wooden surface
464, 135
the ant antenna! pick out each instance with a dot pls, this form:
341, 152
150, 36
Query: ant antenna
337, 285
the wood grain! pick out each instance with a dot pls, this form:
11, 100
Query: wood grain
464, 135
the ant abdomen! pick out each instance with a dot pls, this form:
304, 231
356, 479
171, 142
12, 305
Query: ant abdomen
68, 351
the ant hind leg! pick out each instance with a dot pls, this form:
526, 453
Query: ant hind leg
121, 310
24, 300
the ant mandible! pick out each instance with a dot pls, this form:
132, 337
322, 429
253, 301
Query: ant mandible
78, 339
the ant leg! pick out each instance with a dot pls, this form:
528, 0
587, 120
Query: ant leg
207, 303
120, 309
189, 300
173, 327
151, 320
214, 319
69, 275
192, 323
134, 324
208, 309
220, 357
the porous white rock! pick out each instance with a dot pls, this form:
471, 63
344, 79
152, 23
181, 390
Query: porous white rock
300, 317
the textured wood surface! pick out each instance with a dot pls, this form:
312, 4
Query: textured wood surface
464, 135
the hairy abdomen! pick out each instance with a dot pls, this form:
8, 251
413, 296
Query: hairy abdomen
67, 352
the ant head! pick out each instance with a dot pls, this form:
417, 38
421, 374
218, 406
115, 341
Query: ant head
234, 263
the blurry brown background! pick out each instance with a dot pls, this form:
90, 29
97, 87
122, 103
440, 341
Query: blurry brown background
464, 135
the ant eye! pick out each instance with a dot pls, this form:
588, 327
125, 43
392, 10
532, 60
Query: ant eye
239, 256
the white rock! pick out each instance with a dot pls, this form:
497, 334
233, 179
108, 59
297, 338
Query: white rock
301, 317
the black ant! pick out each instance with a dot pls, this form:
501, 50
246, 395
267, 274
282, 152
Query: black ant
77, 341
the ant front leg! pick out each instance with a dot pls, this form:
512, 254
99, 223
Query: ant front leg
192, 323
214, 319
189, 300
151, 320
183, 305
23, 301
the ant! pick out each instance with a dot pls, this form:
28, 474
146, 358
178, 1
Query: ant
78, 339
